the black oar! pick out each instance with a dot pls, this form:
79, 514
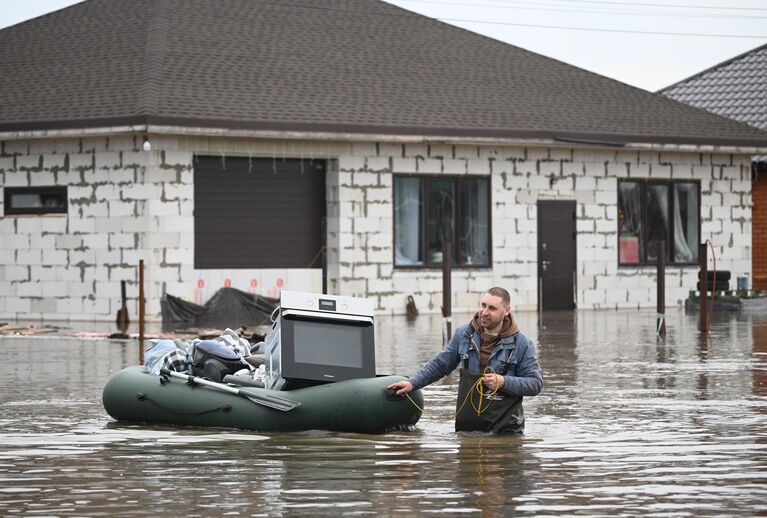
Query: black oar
276, 402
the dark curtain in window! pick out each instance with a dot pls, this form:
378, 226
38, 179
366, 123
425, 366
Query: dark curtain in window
656, 197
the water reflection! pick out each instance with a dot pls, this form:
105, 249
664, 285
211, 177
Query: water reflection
626, 425
556, 346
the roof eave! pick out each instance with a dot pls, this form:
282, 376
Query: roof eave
356, 132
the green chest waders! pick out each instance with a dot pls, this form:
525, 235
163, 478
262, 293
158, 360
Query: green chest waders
498, 413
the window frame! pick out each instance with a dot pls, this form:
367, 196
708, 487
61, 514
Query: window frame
669, 183
9, 192
457, 221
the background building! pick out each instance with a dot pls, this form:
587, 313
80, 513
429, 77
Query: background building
737, 88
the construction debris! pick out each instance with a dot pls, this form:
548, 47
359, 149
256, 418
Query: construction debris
7, 329
254, 335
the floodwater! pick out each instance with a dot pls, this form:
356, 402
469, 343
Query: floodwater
626, 425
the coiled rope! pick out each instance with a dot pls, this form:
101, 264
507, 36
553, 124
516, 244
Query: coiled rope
479, 388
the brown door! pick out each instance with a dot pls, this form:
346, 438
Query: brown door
556, 254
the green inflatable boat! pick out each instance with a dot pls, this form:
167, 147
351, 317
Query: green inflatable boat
357, 405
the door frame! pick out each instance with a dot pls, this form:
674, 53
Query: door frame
539, 248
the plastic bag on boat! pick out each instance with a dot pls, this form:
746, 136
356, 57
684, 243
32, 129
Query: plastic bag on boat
170, 354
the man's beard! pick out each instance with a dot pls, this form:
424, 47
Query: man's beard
490, 323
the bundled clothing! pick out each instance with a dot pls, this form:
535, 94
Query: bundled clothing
509, 353
167, 354
177, 355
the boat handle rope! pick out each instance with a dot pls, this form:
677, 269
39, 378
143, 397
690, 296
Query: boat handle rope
226, 408
479, 388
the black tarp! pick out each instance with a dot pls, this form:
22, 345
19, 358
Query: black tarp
229, 307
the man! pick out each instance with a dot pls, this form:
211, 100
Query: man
490, 348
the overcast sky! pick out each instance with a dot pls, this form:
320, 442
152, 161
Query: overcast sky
649, 44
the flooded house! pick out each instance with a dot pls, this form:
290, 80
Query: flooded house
337, 146
737, 88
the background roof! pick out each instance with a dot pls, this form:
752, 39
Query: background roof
316, 65
736, 88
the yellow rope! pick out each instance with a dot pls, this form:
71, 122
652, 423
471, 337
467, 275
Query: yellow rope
477, 387
414, 403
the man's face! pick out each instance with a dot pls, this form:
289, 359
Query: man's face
492, 310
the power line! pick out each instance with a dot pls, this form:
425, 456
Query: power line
605, 30
645, 4
554, 8
336, 9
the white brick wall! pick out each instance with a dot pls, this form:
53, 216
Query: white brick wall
520, 178
68, 265
127, 205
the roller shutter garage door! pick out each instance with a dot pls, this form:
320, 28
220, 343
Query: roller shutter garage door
258, 212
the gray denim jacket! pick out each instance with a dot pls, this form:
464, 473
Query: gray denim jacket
523, 377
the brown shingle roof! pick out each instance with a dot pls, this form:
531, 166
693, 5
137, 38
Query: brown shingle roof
317, 65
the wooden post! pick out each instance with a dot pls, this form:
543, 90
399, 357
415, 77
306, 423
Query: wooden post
447, 264
703, 280
141, 312
661, 289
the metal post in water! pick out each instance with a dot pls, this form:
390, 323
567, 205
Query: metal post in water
661, 289
447, 263
703, 280
141, 312
540, 296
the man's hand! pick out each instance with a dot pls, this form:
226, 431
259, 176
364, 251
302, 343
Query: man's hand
493, 381
403, 387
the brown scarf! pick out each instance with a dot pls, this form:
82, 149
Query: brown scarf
489, 341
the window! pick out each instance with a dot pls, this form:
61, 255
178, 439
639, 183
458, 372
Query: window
650, 211
35, 200
430, 210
